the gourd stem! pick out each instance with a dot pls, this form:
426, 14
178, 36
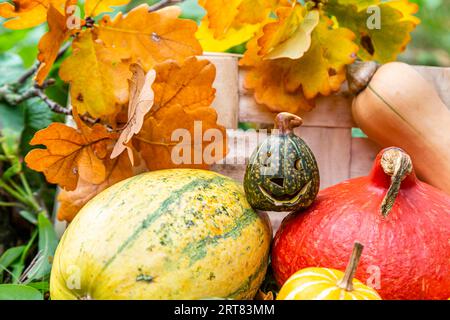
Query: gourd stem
359, 74
396, 163
347, 281
286, 122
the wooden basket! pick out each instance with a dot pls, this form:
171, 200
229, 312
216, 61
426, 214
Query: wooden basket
327, 129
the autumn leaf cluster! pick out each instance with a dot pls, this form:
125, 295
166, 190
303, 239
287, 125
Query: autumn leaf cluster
296, 52
134, 79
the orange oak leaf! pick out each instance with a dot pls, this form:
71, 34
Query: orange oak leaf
97, 74
290, 84
176, 137
188, 84
51, 41
183, 94
267, 80
141, 101
24, 14
93, 8
70, 154
72, 201
151, 37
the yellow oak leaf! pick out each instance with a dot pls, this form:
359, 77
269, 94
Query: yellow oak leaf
97, 74
22, 14
150, 37
322, 68
141, 101
289, 84
93, 8
71, 202
290, 35
382, 33
51, 41
183, 94
70, 154
225, 14
233, 37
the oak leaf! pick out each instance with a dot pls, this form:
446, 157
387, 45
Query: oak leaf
70, 154
24, 14
141, 101
381, 42
183, 94
289, 84
157, 144
97, 74
71, 202
267, 80
93, 8
290, 35
150, 37
322, 68
226, 14
51, 41
233, 37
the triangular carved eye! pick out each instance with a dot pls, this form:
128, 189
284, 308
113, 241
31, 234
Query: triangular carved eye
298, 164
278, 181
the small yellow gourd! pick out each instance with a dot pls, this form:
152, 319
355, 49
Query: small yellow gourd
328, 284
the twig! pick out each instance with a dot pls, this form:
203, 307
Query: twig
161, 4
23, 78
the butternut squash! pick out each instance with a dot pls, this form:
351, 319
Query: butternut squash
398, 107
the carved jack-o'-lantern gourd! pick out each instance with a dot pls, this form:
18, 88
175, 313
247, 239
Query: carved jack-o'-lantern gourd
282, 173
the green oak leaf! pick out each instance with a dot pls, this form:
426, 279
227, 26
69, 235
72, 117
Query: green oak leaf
382, 42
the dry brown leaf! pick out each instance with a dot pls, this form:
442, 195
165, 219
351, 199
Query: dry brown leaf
141, 101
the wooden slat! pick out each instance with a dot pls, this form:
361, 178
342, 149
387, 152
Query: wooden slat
332, 148
226, 84
363, 154
335, 110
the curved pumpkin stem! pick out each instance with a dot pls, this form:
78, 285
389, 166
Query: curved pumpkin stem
359, 74
286, 122
347, 281
396, 163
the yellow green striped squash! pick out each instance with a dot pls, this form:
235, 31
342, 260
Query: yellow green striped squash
323, 284
169, 234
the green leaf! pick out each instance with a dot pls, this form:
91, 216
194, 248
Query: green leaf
19, 292
31, 218
381, 41
15, 168
10, 255
191, 10
42, 286
11, 67
48, 241
8, 258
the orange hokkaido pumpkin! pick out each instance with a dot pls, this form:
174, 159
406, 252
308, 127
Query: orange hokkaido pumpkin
328, 284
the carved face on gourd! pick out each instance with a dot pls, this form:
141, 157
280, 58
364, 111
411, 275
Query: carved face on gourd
282, 173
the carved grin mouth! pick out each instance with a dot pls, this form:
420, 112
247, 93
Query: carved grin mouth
286, 200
